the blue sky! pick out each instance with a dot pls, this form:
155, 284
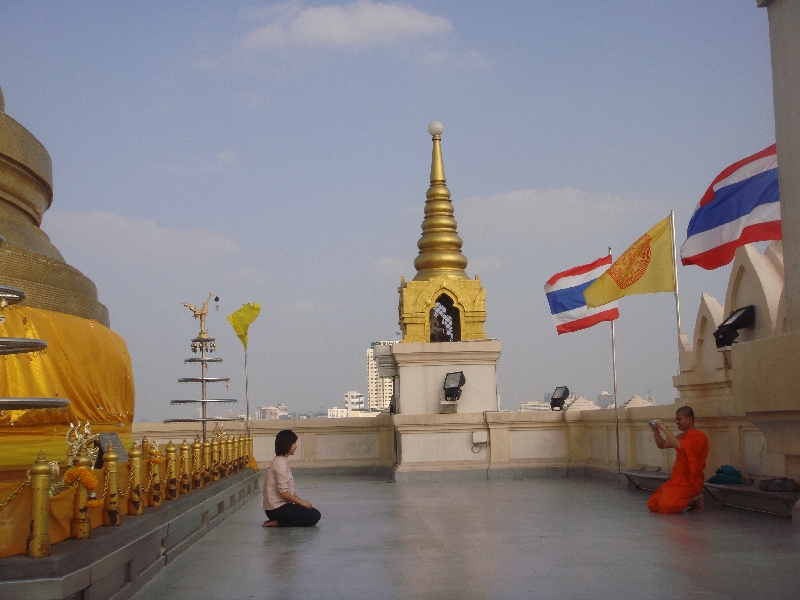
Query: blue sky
278, 153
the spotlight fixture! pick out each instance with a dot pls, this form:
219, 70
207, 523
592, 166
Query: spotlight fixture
558, 398
728, 331
452, 385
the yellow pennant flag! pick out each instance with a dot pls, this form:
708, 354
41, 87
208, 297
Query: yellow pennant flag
242, 319
644, 268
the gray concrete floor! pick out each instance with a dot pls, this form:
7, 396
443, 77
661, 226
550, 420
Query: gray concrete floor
537, 538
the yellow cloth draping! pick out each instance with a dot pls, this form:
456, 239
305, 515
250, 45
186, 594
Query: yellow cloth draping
644, 268
85, 362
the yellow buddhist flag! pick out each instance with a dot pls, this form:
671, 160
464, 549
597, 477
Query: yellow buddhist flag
242, 319
644, 268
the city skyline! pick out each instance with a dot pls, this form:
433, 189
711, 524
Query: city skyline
228, 149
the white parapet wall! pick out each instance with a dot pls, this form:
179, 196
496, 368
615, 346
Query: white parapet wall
521, 444
349, 442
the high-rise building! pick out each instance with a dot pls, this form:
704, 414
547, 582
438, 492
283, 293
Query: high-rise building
354, 401
379, 389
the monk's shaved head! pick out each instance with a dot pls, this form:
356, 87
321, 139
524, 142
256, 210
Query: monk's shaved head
685, 411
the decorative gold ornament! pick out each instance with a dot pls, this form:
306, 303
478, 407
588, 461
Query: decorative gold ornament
79, 443
201, 314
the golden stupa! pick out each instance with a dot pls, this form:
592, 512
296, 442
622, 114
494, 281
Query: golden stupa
441, 303
85, 361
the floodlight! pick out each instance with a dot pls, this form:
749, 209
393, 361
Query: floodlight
728, 331
452, 385
558, 398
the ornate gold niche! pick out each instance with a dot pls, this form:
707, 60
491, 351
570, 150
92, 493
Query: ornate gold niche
440, 268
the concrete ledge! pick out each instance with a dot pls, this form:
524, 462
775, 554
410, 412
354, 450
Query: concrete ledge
116, 561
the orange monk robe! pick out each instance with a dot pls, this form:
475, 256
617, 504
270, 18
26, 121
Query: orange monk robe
687, 476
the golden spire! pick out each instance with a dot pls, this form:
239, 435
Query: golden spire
439, 246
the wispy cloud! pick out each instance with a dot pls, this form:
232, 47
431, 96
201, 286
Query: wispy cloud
284, 29
126, 241
532, 212
362, 23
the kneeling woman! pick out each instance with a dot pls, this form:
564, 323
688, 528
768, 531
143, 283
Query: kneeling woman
283, 508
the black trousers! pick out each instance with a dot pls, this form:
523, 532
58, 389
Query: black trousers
294, 515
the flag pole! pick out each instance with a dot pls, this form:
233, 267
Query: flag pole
675, 276
614, 367
246, 393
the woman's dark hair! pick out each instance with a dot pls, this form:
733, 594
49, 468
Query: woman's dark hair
284, 441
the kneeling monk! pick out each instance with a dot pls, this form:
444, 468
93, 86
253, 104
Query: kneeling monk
685, 485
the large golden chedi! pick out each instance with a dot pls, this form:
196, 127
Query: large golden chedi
85, 361
441, 304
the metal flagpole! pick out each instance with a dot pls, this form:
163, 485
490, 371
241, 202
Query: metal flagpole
675, 276
246, 392
614, 365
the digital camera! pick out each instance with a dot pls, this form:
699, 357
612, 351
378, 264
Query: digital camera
653, 423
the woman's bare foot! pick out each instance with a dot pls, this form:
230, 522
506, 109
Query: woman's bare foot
269, 524
697, 503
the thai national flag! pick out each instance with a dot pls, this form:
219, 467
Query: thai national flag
565, 295
740, 206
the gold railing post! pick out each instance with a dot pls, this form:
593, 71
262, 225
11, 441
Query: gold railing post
172, 472
146, 485
206, 462
186, 469
249, 449
229, 454
235, 460
197, 463
81, 526
223, 457
240, 449
38, 542
214, 459
135, 504
111, 515
154, 497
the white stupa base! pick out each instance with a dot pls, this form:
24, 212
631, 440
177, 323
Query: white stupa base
435, 436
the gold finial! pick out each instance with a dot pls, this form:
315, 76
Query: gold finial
439, 246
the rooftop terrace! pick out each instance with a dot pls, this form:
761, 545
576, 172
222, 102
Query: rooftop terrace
542, 538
